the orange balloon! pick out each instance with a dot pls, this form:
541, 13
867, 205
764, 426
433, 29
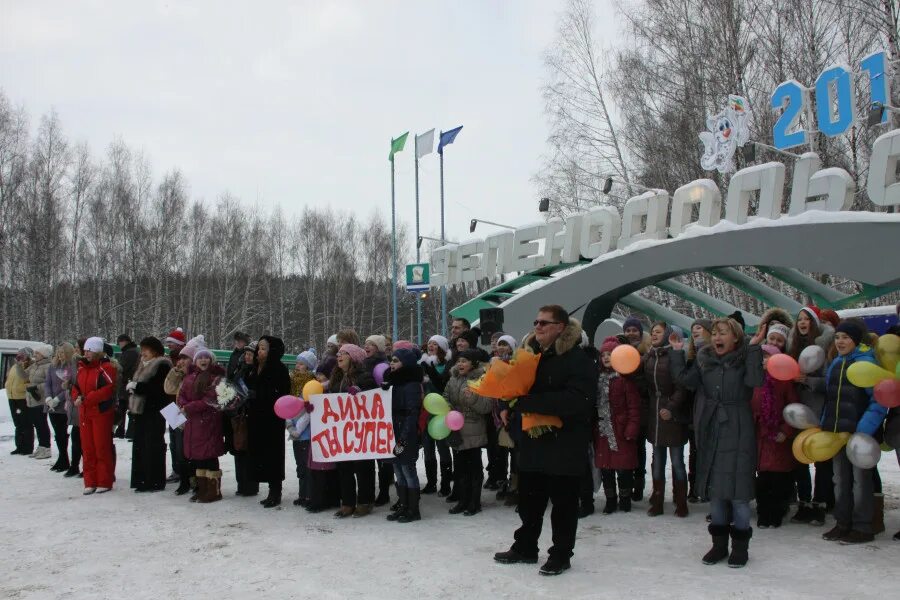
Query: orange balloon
783, 367
625, 359
797, 446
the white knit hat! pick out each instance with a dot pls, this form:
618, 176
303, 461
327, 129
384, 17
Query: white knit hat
93, 344
779, 329
509, 340
379, 341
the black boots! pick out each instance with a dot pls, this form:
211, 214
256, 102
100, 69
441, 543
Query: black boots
399, 507
430, 478
412, 508
274, 497
719, 550
446, 481
474, 506
385, 479
656, 498
612, 505
625, 503
740, 540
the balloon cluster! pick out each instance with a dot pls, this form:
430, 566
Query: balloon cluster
814, 445
444, 420
883, 378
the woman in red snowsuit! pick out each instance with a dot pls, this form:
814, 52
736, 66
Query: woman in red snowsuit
94, 395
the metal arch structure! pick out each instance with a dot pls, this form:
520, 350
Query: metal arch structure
863, 247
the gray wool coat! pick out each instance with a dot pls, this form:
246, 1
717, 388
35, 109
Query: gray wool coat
725, 434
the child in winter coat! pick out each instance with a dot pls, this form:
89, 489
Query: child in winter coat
298, 427
815, 499
436, 366
303, 372
775, 458
850, 409
618, 426
726, 372
473, 435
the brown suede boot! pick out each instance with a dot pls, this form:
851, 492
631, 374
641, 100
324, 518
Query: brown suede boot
213, 487
656, 498
878, 514
199, 485
679, 493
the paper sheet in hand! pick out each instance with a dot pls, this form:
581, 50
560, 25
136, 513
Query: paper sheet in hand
173, 416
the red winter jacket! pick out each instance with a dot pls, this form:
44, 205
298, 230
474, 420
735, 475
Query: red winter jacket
96, 385
203, 437
625, 413
771, 455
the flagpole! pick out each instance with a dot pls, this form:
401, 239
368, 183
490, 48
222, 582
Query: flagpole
394, 332
443, 237
418, 295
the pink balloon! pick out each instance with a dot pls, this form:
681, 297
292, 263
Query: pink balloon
455, 420
288, 407
887, 393
783, 367
379, 371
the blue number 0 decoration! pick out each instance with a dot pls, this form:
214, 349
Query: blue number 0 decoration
835, 122
785, 131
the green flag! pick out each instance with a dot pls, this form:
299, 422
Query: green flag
397, 145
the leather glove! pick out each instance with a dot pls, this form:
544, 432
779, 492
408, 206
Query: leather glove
386, 386
398, 448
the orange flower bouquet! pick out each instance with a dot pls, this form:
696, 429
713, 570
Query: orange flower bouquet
508, 381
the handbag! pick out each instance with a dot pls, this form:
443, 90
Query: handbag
239, 432
136, 404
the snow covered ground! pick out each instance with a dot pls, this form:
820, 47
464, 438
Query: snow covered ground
59, 544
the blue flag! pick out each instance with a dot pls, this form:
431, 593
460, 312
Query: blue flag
447, 138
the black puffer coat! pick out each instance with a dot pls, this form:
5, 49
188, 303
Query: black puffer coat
725, 434
565, 386
265, 429
406, 403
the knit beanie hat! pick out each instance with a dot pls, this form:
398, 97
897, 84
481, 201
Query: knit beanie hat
356, 353
471, 355
379, 341
251, 348
153, 344
45, 350
633, 321
770, 349
830, 316
400, 344
241, 336
408, 357
93, 344
176, 336
508, 340
779, 329
194, 344
442, 342
737, 316
471, 337
307, 358
201, 352
704, 323
332, 339
852, 329
814, 314
609, 344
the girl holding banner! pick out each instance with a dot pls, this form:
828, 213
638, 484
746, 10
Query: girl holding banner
406, 377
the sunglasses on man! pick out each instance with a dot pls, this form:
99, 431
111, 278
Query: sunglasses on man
543, 323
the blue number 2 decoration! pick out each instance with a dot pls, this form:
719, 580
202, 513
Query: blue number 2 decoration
835, 104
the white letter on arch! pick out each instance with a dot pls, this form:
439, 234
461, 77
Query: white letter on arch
655, 205
768, 180
599, 231
703, 192
882, 183
811, 181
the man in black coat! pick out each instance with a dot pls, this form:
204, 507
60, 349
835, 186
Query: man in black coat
551, 464
129, 357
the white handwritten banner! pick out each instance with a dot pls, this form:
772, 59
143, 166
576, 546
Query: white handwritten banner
352, 427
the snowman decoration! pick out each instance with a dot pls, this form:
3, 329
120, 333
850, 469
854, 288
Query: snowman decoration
728, 131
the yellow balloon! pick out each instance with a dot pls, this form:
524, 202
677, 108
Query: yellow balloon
824, 445
888, 351
866, 374
797, 446
312, 388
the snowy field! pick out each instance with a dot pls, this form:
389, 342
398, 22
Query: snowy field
59, 544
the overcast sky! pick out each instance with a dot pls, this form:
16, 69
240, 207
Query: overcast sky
295, 103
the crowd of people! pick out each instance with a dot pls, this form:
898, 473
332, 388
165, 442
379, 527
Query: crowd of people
706, 389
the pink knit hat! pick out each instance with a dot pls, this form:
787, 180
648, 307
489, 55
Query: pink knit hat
401, 344
609, 344
356, 353
194, 344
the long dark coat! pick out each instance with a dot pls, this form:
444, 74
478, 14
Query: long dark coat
406, 403
726, 437
148, 448
664, 393
265, 429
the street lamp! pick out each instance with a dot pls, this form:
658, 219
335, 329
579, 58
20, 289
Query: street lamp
876, 113
748, 151
608, 184
425, 237
474, 223
544, 205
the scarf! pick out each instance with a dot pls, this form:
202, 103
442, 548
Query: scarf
771, 416
605, 425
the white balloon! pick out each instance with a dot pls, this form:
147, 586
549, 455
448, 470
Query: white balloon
811, 359
863, 451
800, 416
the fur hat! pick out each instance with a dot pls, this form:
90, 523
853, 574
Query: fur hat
706, 324
308, 358
408, 357
399, 344
201, 352
92, 344
379, 341
852, 329
194, 344
508, 340
776, 327
770, 349
633, 321
356, 353
610, 344
442, 342
153, 344
176, 336
813, 313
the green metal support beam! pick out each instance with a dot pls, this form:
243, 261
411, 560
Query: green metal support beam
703, 300
756, 289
